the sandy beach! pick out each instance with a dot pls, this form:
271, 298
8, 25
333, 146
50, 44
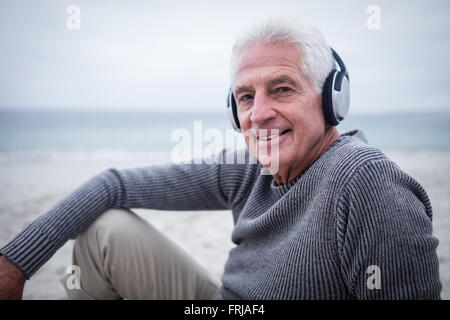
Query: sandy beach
29, 189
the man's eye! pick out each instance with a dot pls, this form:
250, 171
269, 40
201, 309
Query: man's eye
283, 90
245, 98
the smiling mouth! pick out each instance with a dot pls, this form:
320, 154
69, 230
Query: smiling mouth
271, 136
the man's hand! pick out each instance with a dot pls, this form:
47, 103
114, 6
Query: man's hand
12, 280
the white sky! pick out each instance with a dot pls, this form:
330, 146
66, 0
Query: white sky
174, 55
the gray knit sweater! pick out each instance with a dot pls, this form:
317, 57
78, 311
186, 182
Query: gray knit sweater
317, 237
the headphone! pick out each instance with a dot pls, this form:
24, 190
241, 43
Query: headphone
335, 96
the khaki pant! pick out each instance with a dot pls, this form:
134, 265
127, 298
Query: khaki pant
121, 256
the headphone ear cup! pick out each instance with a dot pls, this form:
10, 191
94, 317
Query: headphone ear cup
232, 111
327, 99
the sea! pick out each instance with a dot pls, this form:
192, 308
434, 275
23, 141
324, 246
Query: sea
49, 135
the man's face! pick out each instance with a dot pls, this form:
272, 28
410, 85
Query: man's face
272, 93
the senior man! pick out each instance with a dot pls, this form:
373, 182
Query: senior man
335, 219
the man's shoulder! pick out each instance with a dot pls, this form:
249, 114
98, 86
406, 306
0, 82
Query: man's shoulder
351, 152
358, 166
352, 155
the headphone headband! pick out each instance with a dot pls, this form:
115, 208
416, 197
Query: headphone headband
339, 61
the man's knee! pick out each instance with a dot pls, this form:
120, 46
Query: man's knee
111, 225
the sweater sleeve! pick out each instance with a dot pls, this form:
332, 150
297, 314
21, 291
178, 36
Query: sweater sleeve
385, 239
171, 187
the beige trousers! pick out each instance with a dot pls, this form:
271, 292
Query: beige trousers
121, 256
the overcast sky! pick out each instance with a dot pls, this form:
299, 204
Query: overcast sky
174, 55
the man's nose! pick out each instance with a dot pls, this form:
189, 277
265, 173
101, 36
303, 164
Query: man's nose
262, 109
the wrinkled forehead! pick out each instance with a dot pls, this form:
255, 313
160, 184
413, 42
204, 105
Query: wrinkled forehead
261, 55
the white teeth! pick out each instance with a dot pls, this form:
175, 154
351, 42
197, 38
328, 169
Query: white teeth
266, 138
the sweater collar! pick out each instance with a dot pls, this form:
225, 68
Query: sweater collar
281, 190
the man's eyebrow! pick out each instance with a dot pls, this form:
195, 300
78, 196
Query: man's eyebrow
241, 89
272, 82
282, 79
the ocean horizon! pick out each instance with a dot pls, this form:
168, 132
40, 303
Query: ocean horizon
43, 135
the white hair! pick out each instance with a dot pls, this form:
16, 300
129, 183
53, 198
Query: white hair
317, 59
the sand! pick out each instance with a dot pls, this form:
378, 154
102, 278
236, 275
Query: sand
27, 190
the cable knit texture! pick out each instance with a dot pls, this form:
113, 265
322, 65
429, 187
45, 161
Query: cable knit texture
317, 237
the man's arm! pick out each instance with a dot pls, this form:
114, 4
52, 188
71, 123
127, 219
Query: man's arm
385, 236
171, 187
